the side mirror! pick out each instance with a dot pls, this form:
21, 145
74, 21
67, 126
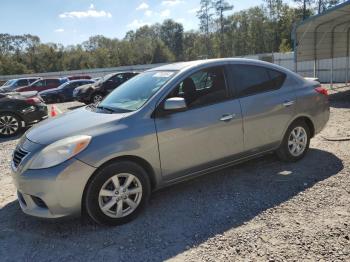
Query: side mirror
175, 104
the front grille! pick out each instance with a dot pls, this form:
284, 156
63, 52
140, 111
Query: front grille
18, 156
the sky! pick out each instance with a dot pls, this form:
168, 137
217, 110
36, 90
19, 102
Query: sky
74, 21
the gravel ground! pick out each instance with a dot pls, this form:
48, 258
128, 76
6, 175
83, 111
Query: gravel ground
260, 210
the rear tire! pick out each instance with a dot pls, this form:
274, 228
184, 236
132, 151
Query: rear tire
295, 143
117, 193
10, 125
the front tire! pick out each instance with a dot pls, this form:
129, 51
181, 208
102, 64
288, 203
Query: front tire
117, 193
96, 98
10, 125
295, 143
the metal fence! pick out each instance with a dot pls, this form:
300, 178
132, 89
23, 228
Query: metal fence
283, 59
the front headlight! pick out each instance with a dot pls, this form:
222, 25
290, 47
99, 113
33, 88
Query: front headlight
60, 151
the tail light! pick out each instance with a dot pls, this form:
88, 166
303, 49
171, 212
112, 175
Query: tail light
321, 90
33, 101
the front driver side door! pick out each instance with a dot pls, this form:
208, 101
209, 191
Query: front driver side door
207, 134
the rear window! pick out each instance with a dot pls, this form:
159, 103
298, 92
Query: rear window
249, 79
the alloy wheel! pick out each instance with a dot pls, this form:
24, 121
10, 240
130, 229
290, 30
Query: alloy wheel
297, 141
97, 99
9, 125
120, 195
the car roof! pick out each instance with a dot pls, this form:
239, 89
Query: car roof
81, 80
192, 64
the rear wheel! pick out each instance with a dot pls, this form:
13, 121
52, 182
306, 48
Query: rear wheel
10, 125
117, 193
295, 143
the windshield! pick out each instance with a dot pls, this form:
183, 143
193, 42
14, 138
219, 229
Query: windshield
134, 93
104, 78
9, 82
63, 85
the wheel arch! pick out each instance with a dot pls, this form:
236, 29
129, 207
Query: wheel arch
308, 121
138, 160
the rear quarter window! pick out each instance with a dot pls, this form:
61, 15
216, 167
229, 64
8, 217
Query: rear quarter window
250, 79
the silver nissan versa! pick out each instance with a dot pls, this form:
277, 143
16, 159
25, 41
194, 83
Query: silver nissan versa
164, 126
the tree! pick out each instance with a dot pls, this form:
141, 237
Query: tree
222, 6
171, 33
205, 16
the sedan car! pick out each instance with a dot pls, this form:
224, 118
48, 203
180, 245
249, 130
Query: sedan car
164, 126
43, 84
63, 93
20, 110
12, 84
95, 92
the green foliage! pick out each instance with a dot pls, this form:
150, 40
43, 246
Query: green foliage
261, 29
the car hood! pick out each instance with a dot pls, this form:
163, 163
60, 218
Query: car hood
5, 89
85, 87
81, 121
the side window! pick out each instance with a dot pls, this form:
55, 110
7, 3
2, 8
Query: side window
249, 80
32, 80
40, 83
52, 82
277, 78
203, 88
22, 82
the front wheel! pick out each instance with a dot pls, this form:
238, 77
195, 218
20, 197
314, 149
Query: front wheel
295, 143
117, 193
96, 98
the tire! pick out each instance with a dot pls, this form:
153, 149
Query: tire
96, 98
102, 193
294, 147
10, 125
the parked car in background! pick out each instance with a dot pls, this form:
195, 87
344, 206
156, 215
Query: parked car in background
95, 92
20, 110
12, 84
63, 93
43, 84
77, 77
164, 126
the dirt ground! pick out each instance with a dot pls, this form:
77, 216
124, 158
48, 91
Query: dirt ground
257, 211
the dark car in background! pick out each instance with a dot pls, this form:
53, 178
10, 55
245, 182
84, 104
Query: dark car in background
95, 92
20, 110
12, 84
43, 84
63, 93
78, 77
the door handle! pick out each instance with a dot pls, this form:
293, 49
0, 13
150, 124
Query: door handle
227, 117
288, 103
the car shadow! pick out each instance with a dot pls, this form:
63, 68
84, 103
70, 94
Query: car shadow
340, 99
177, 218
8, 139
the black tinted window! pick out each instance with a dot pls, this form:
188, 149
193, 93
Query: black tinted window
22, 82
250, 80
203, 88
32, 80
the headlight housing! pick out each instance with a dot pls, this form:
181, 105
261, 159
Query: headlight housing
60, 151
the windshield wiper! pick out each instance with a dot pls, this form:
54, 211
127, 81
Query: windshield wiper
106, 109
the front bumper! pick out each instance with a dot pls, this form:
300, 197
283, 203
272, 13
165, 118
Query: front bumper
53, 192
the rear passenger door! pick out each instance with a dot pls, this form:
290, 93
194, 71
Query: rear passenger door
268, 104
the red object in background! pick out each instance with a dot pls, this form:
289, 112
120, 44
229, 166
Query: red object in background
43, 84
321, 90
53, 112
33, 100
